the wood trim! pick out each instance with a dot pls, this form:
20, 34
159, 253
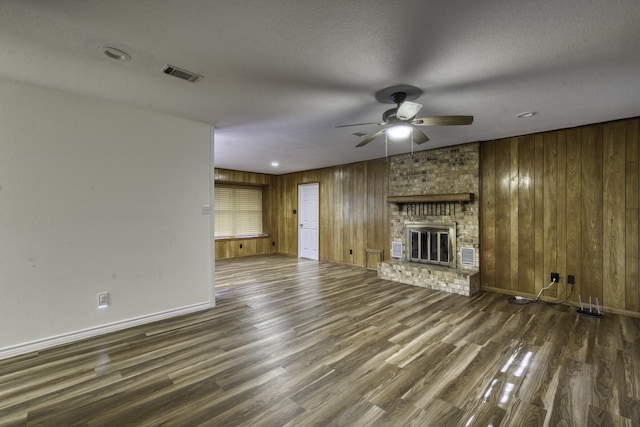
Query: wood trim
432, 198
72, 337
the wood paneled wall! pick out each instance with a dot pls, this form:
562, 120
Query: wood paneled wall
354, 214
234, 248
565, 201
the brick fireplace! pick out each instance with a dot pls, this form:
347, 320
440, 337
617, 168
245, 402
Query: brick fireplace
433, 191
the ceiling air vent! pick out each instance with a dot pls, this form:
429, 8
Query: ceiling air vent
182, 74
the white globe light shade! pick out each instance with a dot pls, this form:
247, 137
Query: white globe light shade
399, 132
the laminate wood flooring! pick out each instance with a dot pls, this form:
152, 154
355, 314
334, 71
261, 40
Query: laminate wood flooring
303, 343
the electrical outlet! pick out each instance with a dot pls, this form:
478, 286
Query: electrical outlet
240, 245
350, 251
556, 277
103, 299
571, 279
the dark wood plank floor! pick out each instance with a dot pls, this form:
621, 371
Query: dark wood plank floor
301, 343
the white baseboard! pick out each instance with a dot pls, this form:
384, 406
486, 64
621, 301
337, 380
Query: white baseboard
70, 337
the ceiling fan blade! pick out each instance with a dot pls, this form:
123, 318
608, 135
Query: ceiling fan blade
408, 110
371, 137
419, 137
442, 121
359, 124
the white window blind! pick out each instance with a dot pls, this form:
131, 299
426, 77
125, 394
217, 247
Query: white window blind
238, 211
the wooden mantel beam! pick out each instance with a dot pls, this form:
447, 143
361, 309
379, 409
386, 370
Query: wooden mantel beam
432, 198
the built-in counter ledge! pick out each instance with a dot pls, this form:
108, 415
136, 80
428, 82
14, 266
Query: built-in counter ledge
432, 198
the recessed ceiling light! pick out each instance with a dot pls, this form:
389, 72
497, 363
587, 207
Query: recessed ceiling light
113, 53
526, 114
275, 164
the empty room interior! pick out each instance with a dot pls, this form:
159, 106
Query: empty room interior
297, 213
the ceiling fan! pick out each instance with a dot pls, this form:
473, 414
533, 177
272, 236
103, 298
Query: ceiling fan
401, 121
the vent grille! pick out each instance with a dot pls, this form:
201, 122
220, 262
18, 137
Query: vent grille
182, 74
468, 256
396, 249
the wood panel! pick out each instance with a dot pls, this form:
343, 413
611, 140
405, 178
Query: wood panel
548, 205
584, 205
327, 210
503, 215
574, 203
488, 214
526, 215
632, 216
336, 234
561, 214
614, 152
347, 206
591, 212
539, 212
358, 241
240, 177
513, 214
287, 219
377, 223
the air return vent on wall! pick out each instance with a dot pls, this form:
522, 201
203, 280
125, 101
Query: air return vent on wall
468, 256
396, 249
182, 74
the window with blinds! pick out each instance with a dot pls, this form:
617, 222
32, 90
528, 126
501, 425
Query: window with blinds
238, 211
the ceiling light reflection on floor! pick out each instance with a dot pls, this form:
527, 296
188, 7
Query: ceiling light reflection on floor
506, 394
524, 364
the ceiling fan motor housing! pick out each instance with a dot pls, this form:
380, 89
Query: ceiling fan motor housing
398, 97
389, 116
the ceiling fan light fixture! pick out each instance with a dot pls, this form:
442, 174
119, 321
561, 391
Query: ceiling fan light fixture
399, 132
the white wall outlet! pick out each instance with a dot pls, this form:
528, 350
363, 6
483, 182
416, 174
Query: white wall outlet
103, 300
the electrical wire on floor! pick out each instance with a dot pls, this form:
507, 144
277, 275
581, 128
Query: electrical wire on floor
525, 300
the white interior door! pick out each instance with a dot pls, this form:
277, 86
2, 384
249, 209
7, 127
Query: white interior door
308, 215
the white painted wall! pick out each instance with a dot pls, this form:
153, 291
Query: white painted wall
97, 196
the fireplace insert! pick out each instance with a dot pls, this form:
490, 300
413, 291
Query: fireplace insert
431, 243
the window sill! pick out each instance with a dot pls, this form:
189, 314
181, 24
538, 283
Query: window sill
248, 237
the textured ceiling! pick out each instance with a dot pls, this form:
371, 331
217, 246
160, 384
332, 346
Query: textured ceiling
281, 74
